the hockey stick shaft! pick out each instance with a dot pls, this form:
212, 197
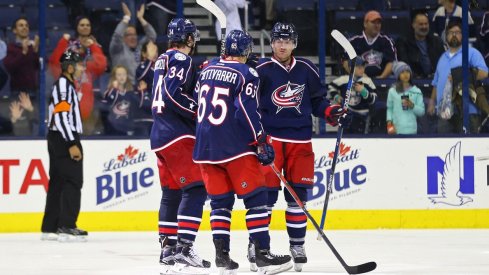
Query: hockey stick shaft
220, 16
363, 268
339, 135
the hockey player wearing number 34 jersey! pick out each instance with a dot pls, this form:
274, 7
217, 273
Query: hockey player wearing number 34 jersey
290, 92
173, 139
230, 145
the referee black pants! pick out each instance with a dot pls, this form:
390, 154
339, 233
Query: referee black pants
65, 183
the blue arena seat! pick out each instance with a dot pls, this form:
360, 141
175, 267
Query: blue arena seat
341, 5
8, 15
107, 5
422, 4
11, 3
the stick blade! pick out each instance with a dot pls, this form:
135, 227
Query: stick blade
341, 39
215, 10
363, 268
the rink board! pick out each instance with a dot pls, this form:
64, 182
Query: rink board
379, 183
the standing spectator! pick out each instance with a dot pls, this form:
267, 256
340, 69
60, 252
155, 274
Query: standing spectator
362, 97
290, 93
447, 12
484, 36
233, 20
124, 47
22, 60
120, 104
160, 13
375, 48
3, 73
65, 156
404, 102
95, 62
441, 101
421, 49
230, 145
173, 139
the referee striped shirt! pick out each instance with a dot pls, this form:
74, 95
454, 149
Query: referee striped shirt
64, 109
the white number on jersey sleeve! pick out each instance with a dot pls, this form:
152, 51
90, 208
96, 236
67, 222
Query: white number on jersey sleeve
179, 74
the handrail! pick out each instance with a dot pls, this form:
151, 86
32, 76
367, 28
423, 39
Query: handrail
263, 34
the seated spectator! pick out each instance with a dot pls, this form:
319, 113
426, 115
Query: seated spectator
375, 48
23, 116
144, 74
121, 104
124, 46
85, 44
404, 102
447, 12
362, 97
442, 97
22, 60
421, 49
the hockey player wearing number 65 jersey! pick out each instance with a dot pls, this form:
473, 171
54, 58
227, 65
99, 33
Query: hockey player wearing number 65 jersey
173, 139
290, 93
230, 146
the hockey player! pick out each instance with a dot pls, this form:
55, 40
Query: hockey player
172, 139
230, 145
290, 92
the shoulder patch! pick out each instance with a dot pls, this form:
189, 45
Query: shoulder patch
253, 72
180, 56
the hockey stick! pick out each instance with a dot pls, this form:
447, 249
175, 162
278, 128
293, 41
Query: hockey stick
356, 269
221, 17
341, 39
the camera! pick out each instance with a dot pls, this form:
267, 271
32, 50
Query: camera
404, 105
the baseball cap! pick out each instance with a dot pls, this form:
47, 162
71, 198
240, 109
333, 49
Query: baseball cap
372, 16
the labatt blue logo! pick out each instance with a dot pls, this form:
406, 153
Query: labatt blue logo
115, 183
344, 179
451, 179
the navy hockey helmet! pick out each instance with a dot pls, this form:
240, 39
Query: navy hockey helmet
180, 28
238, 43
284, 31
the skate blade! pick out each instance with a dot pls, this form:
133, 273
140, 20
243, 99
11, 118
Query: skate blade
298, 267
224, 271
180, 268
167, 270
49, 237
253, 267
274, 269
67, 238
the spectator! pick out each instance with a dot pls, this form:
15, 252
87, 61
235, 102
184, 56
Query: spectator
404, 102
121, 103
160, 13
85, 44
421, 49
362, 97
23, 116
484, 35
374, 47
441, 102
270, 14
22, 61
3, 73
124, 47
145, 70
447, 12
233, 20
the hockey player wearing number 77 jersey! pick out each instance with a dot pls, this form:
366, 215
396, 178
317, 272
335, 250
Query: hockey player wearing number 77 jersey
173, 139
229, 147
290, 93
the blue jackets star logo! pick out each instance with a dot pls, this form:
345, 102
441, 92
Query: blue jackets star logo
288, 96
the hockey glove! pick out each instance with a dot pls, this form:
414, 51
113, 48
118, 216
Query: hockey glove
335, 115
252, 61
264, 150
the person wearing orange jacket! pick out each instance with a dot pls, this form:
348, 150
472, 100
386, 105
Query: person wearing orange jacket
95, 62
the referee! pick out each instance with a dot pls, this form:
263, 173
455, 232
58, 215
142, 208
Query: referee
65, 155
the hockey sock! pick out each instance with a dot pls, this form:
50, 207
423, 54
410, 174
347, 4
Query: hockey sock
190, 212
295, 219
221, 219
272, 199
257, 219
167, 222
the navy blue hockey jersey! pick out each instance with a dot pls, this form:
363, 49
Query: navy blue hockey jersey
288, 97
228, 120
173, 107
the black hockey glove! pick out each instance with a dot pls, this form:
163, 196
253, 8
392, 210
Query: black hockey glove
252, 61
264, 150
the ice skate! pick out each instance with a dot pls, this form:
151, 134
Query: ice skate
71, 235
167, 256
269, 263
224, 263
188, 262
251, 257
299, 257
49, 236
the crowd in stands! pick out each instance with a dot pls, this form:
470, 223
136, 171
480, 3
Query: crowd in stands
404, 83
